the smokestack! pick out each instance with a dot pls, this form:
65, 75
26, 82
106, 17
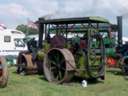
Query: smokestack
119, 28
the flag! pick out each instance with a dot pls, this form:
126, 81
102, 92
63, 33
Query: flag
2, 26
32, 24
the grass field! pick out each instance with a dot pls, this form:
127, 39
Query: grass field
35, 85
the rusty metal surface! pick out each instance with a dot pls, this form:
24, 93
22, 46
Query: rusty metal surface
69, 58
30, 63
69, 62
30, 66
4, 75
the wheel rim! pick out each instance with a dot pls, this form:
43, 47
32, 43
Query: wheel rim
95, 56
4, 73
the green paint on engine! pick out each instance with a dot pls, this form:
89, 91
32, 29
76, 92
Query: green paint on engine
110, 52
41, 53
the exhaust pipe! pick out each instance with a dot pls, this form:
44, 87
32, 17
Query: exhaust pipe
119, 28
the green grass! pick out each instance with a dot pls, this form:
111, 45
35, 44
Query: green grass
35, 85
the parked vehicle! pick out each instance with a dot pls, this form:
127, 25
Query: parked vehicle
74, 47
11, 44
82, 54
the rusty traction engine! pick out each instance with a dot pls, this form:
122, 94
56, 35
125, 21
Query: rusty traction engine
67, 47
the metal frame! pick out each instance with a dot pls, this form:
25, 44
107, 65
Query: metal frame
85, 22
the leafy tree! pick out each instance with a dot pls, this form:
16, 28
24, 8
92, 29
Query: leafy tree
27, 30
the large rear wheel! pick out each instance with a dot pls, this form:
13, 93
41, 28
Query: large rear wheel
56, 66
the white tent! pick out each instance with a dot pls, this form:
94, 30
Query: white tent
125, 39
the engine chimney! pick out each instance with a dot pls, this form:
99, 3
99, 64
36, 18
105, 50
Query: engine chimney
119, 28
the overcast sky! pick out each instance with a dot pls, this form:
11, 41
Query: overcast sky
14, 12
